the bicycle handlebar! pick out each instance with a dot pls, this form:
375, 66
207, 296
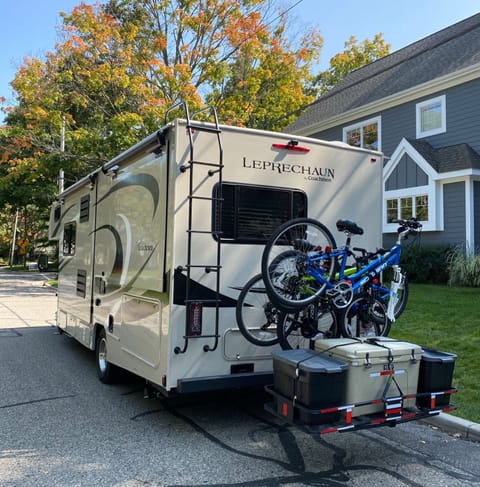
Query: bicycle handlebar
412, 223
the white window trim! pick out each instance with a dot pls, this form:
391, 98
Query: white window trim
362, 123
443, 128
431, 224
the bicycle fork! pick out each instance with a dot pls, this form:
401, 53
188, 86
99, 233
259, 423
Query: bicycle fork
397, 282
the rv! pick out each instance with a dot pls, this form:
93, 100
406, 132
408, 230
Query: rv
155, 244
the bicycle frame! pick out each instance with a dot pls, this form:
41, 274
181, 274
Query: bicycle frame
348, 282
357, 279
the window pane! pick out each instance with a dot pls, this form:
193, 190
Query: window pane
406, 210
421, 208
69, 234
370, 136
392, 210
354, 137
431, 116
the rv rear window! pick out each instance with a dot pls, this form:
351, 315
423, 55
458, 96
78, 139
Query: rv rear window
249, 214
69, 237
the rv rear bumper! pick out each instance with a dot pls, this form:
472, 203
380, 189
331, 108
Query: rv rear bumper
233, 381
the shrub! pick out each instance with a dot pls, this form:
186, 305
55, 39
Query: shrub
464, 270
426, 264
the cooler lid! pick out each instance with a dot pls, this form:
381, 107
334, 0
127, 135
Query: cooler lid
322, 364
431, 355
376, 348
310, 361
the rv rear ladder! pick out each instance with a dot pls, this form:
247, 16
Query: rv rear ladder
191, 301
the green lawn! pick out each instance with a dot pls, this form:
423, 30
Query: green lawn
448, 319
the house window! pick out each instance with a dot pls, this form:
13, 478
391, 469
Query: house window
365, 134
69, 237
431, 117
250, 213
407, 207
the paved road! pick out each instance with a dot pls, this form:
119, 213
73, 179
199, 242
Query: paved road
59, 426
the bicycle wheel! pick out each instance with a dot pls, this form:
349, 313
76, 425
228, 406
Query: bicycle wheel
384, 292
365, 316
257, 317
294, 251
295, 330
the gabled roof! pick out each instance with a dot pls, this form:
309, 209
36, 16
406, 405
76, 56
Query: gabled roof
450, 50
447, 159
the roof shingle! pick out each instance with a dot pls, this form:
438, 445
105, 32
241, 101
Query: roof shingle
445, 52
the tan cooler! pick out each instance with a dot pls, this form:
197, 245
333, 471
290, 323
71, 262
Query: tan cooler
371, 363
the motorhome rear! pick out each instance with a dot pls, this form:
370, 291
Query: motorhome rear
155, 244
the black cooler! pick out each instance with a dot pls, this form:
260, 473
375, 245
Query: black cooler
312, 380
435, 375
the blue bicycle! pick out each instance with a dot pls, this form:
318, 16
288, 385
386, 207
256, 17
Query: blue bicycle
352, 282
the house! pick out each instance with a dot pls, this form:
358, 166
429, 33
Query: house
421, 107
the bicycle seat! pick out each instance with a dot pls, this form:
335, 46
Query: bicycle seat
349, 226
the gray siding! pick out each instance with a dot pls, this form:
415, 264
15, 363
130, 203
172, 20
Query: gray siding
335, 133
454, 219
463, 120
406, 174
454, 213
476, 214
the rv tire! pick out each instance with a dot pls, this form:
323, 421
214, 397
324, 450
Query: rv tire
106, 371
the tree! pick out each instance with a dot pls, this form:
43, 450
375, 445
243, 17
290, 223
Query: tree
353, 57
119, 66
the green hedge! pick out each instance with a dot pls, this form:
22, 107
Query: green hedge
427, 264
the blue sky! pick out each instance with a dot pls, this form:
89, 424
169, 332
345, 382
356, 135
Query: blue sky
29, 26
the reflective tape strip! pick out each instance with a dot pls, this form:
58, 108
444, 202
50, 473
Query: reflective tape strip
387, 372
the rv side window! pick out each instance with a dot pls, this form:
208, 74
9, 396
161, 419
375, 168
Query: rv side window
250, 213
84, 208
69, 234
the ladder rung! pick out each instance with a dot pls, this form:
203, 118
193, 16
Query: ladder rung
200, 231
202, 301
204, 163
207, 198
199, 266
201, 336
203, 128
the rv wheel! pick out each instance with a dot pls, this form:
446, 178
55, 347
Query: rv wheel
105, 370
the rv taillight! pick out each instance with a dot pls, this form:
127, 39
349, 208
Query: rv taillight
291, 146
195, 322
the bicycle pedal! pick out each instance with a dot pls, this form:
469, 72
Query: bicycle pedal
332, 293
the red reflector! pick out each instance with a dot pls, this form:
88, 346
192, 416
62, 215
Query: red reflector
348, 417
291, 147
328, 249
284, 409
195, 323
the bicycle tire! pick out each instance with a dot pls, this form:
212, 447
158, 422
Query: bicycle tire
287, 281
257, 317
365, 316
296, 330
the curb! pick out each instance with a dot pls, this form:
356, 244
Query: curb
452, 424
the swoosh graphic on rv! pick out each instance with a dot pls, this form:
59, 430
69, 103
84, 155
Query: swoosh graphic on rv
145, 180
118, 263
